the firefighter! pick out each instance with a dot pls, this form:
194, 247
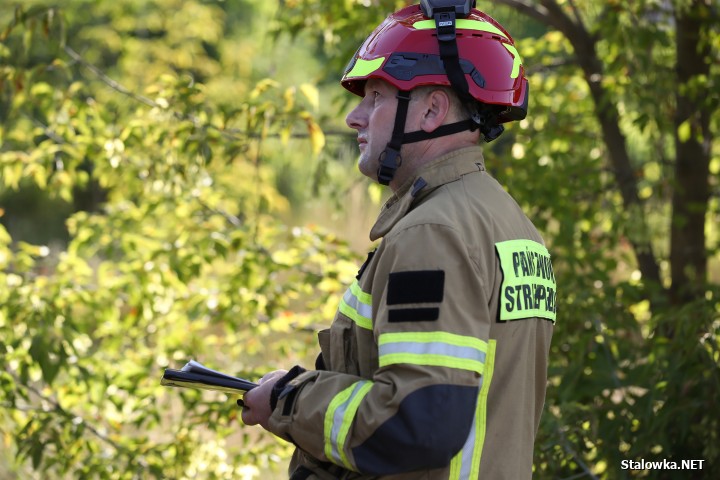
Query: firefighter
435, 365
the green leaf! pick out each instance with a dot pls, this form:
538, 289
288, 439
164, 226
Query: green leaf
684, 131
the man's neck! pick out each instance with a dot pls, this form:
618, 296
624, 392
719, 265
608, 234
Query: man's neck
413, 159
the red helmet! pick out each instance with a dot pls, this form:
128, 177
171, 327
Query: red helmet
404, 51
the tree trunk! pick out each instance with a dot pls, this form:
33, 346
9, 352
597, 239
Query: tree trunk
614, 139
688, 255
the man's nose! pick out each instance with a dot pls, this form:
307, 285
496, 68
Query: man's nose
357, 118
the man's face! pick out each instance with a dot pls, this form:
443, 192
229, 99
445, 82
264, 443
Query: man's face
373, 118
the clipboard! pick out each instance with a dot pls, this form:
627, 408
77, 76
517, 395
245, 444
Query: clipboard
195, 375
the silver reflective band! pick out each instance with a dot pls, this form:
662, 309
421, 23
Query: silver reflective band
433, 348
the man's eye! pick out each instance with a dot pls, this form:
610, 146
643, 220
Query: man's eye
372, 95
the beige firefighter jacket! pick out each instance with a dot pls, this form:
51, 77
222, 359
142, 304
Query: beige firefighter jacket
436, 361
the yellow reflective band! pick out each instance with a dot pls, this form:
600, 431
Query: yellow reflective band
482, 27
338, 419
438, 349
481, 412
363, 297
357, 305
363, 68
463, 24
528, 288
517, 61
430, 360
466, 464
455, 465
451, 338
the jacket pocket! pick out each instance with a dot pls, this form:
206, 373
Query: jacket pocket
343, 348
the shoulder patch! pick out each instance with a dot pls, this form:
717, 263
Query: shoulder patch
420, 286
528, 288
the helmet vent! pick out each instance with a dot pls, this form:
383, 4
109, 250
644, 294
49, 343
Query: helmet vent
494, 37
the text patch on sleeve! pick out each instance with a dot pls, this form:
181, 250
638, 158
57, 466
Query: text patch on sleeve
528, 288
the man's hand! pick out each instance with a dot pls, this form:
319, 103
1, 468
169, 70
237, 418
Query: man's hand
256, 410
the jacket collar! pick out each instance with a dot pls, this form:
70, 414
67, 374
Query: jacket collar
443, 170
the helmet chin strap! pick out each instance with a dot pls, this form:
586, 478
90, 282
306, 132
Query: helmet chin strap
390, 159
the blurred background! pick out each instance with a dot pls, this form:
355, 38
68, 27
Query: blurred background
177, 181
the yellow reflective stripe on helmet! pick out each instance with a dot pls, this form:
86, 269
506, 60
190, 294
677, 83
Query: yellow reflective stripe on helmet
363, 68
464, 24
482, 27
517, 61
439, 349
338, 419
357, 305
466, 464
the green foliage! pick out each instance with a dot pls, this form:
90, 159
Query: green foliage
181, 255
619, 388
337, 28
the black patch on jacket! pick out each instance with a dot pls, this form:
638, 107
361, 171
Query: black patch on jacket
413, 315
428, 429
365, 264
421, 286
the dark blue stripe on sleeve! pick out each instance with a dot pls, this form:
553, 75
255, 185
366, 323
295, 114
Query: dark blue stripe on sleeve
429, 428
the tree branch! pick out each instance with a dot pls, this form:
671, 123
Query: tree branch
231, 134
68, 415
560, 20
570, 451
606, 111
576, 13
538, 12
109, 81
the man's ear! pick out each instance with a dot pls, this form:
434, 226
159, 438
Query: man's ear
436, 110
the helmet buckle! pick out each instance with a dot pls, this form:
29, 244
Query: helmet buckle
390, 160
445, 22
460, 8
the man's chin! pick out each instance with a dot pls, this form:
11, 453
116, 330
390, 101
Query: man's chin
367, 169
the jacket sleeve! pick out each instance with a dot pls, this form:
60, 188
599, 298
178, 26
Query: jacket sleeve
430, 325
